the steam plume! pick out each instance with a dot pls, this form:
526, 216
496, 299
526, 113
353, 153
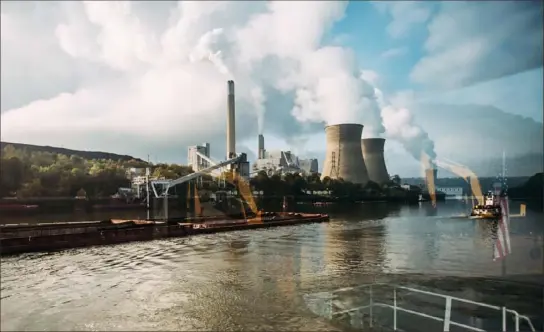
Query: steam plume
207, 48
330, 90
258, 99
399, 125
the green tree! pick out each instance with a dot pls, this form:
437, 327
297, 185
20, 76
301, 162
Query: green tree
11, 174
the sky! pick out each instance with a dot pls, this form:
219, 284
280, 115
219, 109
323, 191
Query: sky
459, 80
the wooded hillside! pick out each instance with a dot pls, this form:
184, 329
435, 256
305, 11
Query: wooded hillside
27, 172
68, 152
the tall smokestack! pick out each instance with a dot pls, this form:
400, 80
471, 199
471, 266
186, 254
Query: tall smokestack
261, 146
344, 157
231, 126
374, 159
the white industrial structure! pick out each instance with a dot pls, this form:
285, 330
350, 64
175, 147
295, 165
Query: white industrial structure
195, 159
451, 192
281, 162
308, 166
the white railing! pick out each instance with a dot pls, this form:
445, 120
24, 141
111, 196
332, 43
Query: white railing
355, 312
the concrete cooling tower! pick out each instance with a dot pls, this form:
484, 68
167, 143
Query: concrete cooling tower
374, 159
344, 158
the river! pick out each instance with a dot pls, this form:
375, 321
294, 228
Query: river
259, 279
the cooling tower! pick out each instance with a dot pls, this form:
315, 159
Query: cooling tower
374, 159
231, 126
344, 158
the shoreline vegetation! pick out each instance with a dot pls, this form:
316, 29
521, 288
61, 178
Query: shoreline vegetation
57, 178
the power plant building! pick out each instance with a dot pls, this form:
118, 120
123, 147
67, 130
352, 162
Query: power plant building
194, 160
281, 162
309, 166
344, 155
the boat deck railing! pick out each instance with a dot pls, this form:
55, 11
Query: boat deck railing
355, 313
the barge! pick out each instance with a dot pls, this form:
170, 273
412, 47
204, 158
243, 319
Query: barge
24, 238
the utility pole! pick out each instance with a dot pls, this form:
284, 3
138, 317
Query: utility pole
148, 196
147, 192
507, 219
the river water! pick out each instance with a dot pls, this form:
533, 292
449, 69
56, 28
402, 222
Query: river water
260, 279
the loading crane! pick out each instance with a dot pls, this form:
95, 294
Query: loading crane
210, 161
235, 178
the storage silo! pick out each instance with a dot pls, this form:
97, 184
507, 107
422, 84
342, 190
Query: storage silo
344, 156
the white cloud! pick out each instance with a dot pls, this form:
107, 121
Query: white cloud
139, 78
484, 132
169, 85
404, 15
370, 76
474, 41
520, 94
394, 52
33, 65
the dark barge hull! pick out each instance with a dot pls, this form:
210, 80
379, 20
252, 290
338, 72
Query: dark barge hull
16, 239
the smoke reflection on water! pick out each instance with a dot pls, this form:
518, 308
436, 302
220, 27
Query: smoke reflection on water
256, 280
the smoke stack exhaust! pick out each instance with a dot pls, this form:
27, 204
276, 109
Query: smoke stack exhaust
344, 158
261, 147
231, 126
374, 159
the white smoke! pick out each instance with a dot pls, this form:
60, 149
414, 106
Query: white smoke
399, 125
171, 82
207, 48
258, 99
330, 90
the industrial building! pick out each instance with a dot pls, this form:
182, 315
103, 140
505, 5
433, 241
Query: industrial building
451, 192
194, 158
281, 162
308, 166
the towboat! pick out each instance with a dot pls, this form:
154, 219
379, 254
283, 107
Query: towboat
490, 210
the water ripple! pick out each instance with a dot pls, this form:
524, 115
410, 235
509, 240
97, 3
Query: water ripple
246, 280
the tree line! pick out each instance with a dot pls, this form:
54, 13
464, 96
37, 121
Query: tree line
294, 184
29, 173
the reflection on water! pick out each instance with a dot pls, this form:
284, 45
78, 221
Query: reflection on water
256, 280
